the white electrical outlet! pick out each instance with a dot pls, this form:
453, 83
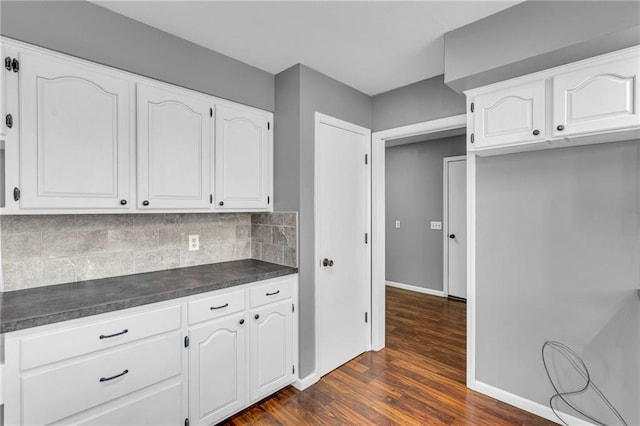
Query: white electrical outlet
397, 224
437, 225
194, 242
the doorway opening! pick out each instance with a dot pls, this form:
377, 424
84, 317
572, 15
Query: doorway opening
416, 172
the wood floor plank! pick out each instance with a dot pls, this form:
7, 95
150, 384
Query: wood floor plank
418, 379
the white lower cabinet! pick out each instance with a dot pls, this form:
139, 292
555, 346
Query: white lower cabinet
201, 358
217, 369
271, 349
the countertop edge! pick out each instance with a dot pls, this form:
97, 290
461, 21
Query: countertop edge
116, 305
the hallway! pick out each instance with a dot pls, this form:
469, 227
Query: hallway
418, 379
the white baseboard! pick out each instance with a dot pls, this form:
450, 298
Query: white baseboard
415, 288
526, 404
302, 384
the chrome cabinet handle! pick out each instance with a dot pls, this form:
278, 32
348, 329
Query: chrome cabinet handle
107, 336
106, 379
219, 307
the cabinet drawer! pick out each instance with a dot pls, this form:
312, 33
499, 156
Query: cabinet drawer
159, 408
59, 392
271, 291
216, 306
79, 340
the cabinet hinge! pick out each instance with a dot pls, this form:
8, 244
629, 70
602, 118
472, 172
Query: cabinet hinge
473, 138
473, 107
7, 63
293, 307
16, 194
210, 112
186, 344
186, 422
366, 159
366, 317
15, 65
366, 238
210, 198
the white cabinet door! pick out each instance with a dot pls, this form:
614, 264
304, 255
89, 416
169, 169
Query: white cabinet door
512, 115
243, 160
75, 136
174, 143
270, 349
217, 369
597, 98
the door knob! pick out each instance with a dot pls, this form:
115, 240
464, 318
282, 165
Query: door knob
452, 236
327, 262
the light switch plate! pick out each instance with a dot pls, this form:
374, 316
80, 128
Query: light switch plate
397, 224
194, 242
437, 225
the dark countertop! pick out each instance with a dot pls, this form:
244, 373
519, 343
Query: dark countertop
46, 305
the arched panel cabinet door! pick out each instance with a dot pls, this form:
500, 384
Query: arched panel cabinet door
597, 98
174, 148
271, 349
217, 369
75, 136
244, 160
512, 115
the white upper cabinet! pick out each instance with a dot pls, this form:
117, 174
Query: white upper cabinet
591, 101
597, 98
174, 149
514, 114
74, 135
244, 159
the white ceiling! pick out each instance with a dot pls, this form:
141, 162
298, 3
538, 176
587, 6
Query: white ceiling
373, 46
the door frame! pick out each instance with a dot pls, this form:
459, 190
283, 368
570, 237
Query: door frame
445, 219
332, 121
378, 218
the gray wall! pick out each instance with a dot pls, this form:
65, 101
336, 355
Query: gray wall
422, 101
558, 258
82, 29
414, 197
316, 92
552, 33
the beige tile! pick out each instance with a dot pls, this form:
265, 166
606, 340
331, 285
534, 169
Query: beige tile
244, 218
243, 232
20, 247
86, 222
156, 260
39, 223
242, 250
288, 219
218, 232
198, 257
176, 235
262, 233
284, 236
272, 253
132, 239
58, 271
289, 257
58, 244
95, 241
261, 219
21, 275
256, 250
103, 265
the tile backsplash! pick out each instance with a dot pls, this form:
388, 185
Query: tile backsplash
53, 249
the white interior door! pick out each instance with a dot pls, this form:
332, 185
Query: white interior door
457, 227
342, 247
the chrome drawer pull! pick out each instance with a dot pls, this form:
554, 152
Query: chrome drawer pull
274, 293
219, 307
106, 336
106, 379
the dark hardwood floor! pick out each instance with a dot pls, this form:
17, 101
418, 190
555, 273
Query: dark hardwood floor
418, 379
